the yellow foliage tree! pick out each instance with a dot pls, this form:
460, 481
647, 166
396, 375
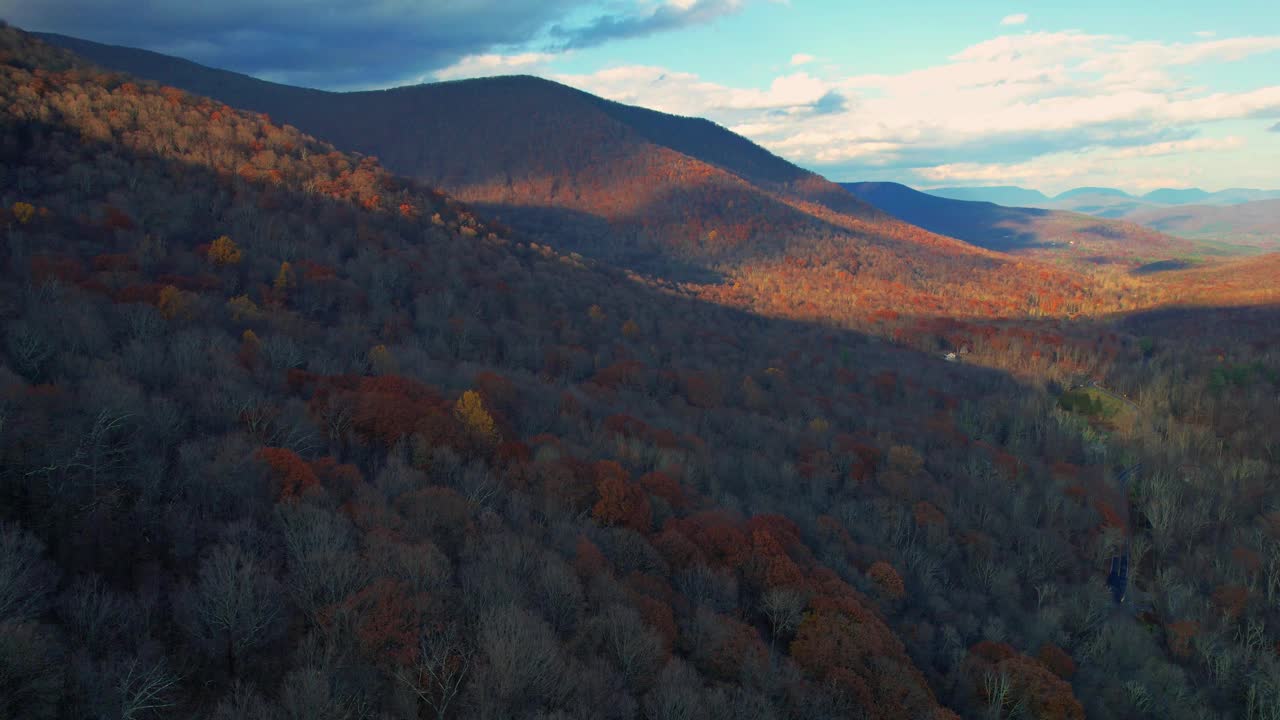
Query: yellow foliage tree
23, 212
173, 303
285, 279
241, 307
224, 251
630, 328
596, 313
471, 412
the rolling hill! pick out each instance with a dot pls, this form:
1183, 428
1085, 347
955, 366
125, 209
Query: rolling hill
1017, 196
1035, 231
1256, 224
1008, 195
1235, 216
1176, 196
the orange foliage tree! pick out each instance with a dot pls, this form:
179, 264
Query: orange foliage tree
224, 251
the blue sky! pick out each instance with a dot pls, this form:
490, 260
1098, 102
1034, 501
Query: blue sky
928, 93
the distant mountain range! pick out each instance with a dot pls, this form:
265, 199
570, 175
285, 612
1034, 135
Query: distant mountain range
1017, 229
1237, 215
1018, 196
1253, 223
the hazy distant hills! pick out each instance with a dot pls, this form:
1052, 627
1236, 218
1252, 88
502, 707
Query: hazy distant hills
1017, 229
1252, 223
1235, 215
1017, 196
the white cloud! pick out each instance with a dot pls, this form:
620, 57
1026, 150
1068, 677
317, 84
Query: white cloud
802, 59
990, 109
1180, 147
473, 66
1016, 19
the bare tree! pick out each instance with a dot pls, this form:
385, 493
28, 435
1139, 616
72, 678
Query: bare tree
677, 695
25, 576
323, 564
99, 617
634, 646
234, 605
784, 607
439, 669
524, 665
144, 687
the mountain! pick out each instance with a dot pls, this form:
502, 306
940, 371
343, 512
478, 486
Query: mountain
1092, 192
1170, 196
1007, 195
287, 435
1252, 223
1051, 233
1196, 196
284, 434
1235, 216
1236, 196
674, 197
529, 143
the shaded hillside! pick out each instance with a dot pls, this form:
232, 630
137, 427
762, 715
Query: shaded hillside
1007, 195
1047, 233
240, 364
1252, 223
1111, 205
532, 143
285, 435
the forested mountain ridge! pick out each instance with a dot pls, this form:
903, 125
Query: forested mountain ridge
411, 479
285, 435
671, 196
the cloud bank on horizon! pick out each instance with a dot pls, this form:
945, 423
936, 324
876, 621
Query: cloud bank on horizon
1013, 100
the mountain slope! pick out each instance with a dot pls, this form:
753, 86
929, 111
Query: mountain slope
1050, 233
675, 197
1175, 196
531, 143
1098, 191
1251, 223
244, 368
402, 446
1007, 195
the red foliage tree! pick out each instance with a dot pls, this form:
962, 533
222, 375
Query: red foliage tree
291, 473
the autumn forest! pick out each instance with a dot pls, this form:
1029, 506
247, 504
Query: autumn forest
495, 399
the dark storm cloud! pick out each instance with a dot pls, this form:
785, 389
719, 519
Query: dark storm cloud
340, 43
669, 16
